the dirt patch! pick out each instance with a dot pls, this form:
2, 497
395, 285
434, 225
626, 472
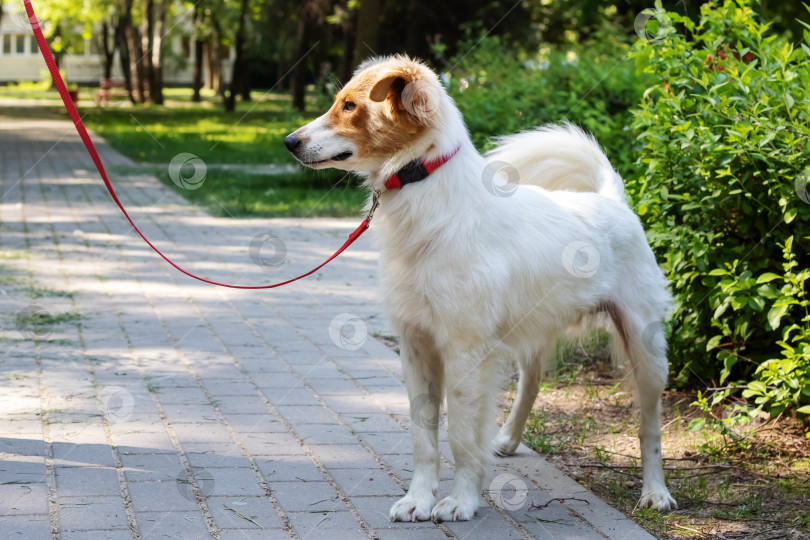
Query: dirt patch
752, 482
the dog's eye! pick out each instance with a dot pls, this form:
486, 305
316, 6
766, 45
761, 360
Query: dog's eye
349, 106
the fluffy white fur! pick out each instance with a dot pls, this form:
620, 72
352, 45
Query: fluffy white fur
476, 275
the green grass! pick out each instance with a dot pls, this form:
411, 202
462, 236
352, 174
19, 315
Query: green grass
43, 318
253, 135
44, 292
29, 90
234, 193
12, 254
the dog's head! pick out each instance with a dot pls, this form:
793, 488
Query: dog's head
386, 114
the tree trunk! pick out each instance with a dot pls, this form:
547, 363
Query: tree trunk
280, 64
57, 55
156, 81
207, 64
298, 79
368, 30
123, 49
108, 50
242, 63
244, 90
134, 53
147, 43
347, 59
214, 48
239, 63
136, 63
198, 54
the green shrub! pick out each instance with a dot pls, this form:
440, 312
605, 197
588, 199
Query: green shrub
502, 89
725, 131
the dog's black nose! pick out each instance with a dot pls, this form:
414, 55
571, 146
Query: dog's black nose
291, 142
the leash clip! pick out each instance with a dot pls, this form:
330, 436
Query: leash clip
375, 202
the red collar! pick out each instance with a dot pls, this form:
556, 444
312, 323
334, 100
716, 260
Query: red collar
417, 170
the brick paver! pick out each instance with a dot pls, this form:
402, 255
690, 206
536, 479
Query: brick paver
138, 403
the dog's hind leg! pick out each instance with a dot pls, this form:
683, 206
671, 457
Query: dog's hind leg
646, 350
511, 433
422, 370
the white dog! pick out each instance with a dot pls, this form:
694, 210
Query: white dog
477, 271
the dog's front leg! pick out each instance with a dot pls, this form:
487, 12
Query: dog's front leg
470, 400
421, 368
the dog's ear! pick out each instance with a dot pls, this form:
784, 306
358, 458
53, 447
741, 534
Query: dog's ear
384, 85
410, 88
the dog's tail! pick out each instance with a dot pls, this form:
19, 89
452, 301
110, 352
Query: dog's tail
557, 158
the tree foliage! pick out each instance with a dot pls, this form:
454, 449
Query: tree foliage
723, 193
294, 44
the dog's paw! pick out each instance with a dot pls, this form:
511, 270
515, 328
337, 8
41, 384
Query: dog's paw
660, 499
453, 509
412, 508
503, 446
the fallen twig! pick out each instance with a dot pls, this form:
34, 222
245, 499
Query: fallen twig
323, 500
736, 518
761, 475
235, 511
561, 500
555, 521
617, 469
601, 466
618, 454
688, 529
685, 502
696, 457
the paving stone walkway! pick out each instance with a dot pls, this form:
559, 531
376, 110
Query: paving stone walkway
138, 403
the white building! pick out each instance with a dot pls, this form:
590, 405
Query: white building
20, 59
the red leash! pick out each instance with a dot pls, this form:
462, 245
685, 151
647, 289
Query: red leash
91, 149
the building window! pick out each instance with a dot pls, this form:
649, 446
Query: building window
185, 46
34, 46
7, 44
20, 44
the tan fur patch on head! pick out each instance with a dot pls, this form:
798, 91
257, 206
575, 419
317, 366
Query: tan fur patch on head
382, 109
410, 87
